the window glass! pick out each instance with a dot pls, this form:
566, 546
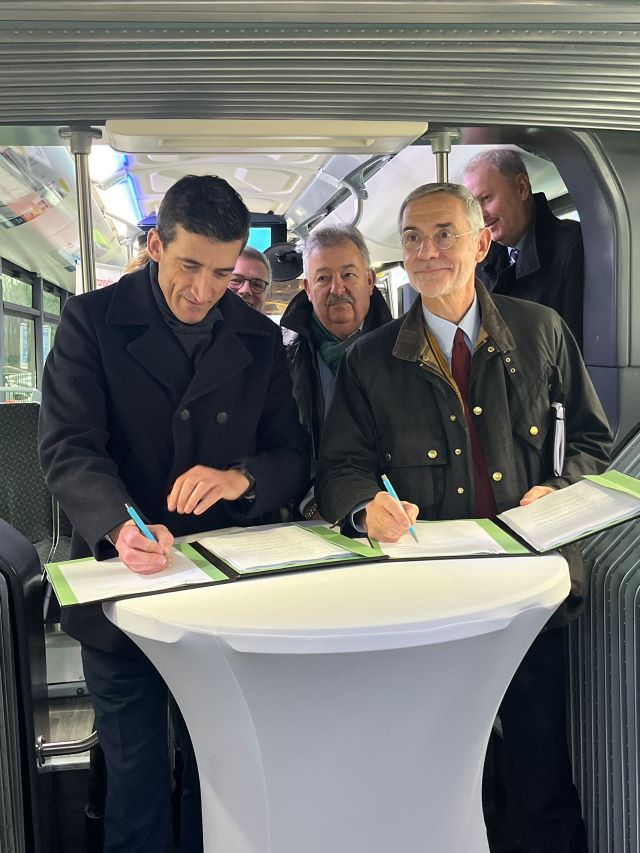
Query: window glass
19, 359
16, 291
48, 334
50, 302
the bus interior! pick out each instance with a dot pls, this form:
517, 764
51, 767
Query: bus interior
315, 113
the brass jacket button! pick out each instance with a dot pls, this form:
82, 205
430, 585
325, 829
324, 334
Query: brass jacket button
460, 490
457, 451
432, 454
477, 410
533, 430
497, 476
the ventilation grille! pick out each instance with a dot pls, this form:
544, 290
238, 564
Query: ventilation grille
604, 650
562, 64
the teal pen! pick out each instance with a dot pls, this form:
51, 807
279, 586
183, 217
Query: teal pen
386, 482
142, 527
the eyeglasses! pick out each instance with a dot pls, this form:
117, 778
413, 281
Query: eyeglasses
444, 238
257, 285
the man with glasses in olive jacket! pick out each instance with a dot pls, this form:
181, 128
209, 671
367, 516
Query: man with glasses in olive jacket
453, 402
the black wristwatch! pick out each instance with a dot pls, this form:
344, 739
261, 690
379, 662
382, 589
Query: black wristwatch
310, 509
250, 493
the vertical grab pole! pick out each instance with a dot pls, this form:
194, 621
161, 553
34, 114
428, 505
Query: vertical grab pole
80, 139
441, 146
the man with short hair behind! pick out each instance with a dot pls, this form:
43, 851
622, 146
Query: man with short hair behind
340, 302
166, 392
534, 255
251, 278
453, 402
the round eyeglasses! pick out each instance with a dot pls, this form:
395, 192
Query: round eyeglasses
442, 239
257, 285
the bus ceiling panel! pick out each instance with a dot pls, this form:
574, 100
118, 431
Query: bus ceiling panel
267, 182
607, 12
577, 63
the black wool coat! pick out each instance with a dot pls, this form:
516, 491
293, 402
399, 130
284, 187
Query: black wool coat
549, 269
123, 415
301, 356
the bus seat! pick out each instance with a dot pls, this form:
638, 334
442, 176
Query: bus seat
25, 502
23, 693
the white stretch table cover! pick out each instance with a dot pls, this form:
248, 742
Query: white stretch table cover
346, 710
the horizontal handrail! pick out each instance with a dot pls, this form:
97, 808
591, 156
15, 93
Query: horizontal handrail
45, 750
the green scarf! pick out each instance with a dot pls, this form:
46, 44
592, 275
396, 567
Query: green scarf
330, 348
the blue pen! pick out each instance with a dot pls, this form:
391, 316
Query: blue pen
386, 482
142, 527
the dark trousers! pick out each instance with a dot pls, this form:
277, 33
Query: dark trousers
130, 702
534, 727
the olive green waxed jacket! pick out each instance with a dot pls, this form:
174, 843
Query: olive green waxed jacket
397, 411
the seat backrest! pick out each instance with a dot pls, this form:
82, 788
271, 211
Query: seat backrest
25, 502
24, 712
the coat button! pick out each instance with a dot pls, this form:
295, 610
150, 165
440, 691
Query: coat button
457, 451
477, 410
533, 430
222, 418
387, 457
185, 414
460, 490
432, 454
508, 360
497, 476
453, 418
491, 349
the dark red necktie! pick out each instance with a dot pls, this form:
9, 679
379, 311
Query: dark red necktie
461, 371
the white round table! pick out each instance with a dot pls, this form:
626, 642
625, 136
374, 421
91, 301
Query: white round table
346, 710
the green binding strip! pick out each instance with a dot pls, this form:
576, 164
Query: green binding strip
618, 481
510, 545
210, 570
64, 593
344, 542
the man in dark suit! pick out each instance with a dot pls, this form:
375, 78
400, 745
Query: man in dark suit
167, 392
534, 255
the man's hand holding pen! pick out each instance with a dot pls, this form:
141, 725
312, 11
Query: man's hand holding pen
387, 519
140, 554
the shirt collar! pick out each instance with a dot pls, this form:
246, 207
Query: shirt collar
444, 331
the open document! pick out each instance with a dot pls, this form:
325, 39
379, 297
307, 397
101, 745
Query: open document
86, 580
282, 548
216, 558
567, 515
470, 537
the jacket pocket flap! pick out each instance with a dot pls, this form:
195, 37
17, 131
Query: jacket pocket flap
411, 448
533, 427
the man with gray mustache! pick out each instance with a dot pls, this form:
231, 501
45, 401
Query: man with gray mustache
340, 302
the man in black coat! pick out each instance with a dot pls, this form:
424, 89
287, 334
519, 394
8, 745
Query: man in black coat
453, 401
534, 255
167, 392
340, 302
